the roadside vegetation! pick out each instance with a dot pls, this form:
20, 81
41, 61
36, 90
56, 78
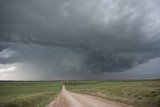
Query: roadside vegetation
137, 93
144, 93
28, 94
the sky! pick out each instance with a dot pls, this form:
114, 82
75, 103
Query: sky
79, 39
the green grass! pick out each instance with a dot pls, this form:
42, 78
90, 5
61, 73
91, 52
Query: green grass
39, 94
136, 93
28, 94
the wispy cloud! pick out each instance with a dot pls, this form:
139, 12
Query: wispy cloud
6, 70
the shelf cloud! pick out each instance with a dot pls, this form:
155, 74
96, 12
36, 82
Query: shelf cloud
95, 36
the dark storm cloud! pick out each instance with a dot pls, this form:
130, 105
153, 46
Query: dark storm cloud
113, 35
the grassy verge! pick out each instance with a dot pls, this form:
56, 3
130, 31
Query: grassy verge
136, 93
28, 94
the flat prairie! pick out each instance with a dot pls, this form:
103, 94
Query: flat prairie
28, 93
138, 93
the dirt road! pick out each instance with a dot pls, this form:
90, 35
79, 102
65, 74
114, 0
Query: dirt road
69, 99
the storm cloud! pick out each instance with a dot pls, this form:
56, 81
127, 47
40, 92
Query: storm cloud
95, 36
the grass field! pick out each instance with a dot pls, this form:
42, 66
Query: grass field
136, 93
28, 94
39, 94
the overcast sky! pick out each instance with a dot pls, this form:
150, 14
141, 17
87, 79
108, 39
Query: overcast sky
79, 39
